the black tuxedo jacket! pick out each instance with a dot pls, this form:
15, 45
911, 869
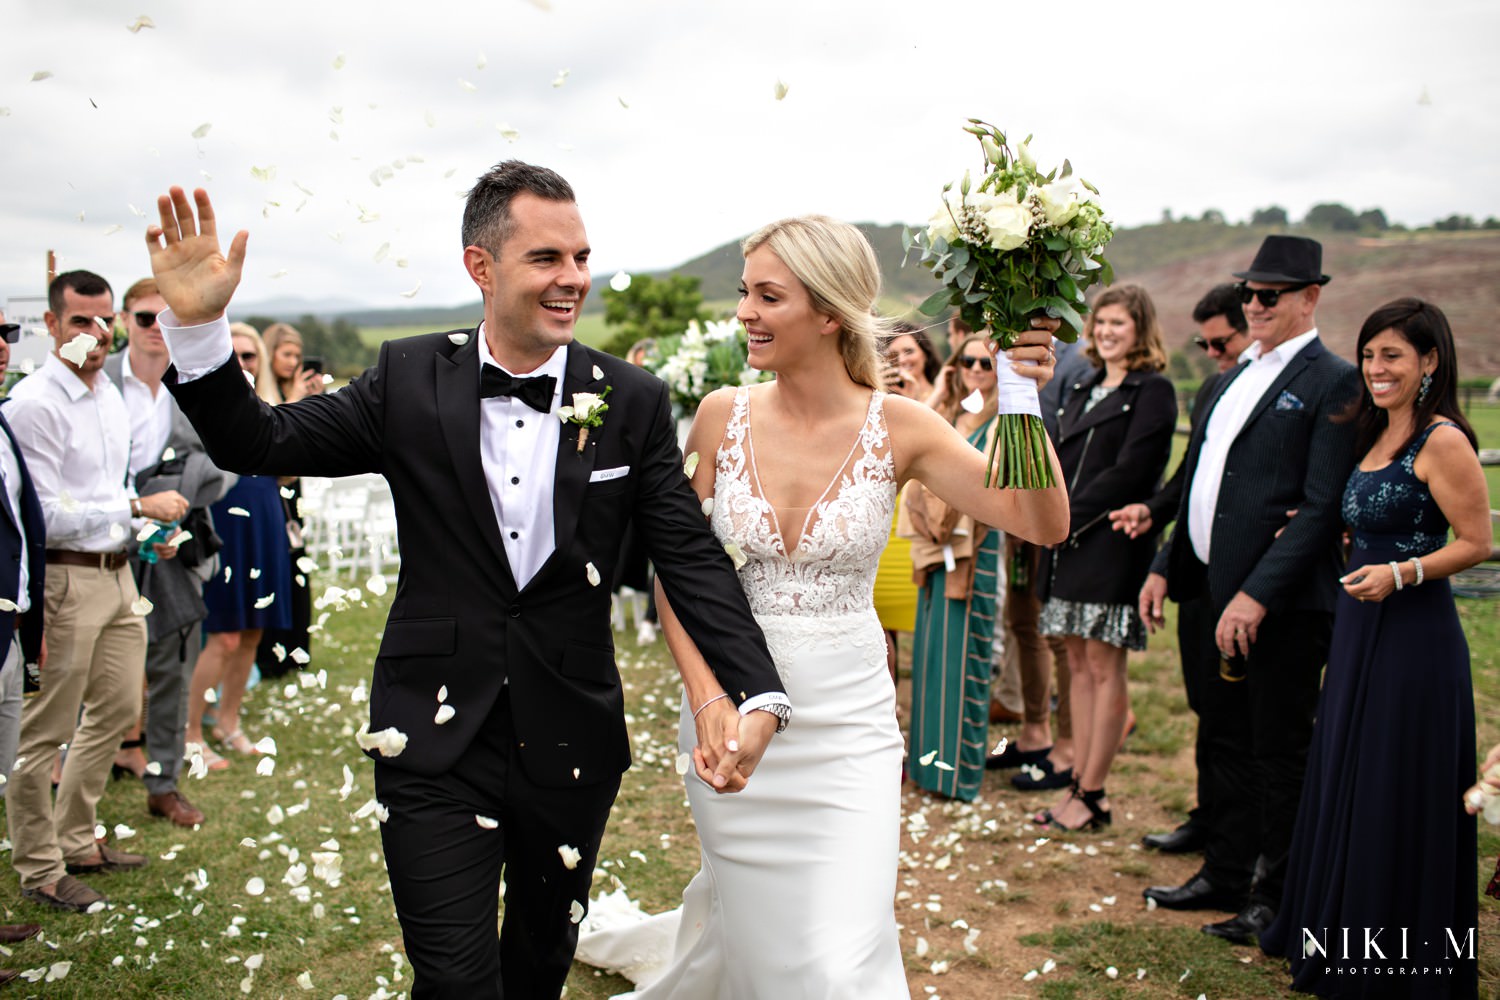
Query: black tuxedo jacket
458, 619
1295, 452
11, 556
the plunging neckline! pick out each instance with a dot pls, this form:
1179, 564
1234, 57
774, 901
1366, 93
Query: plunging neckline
807, 519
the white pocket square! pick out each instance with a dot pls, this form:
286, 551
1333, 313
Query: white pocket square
605, 475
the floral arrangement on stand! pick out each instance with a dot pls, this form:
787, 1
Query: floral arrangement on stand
1017, 245
702, 358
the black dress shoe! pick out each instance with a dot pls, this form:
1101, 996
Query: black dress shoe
1197, 893
1186, 839
1042, 776
1244, 927
1014, 756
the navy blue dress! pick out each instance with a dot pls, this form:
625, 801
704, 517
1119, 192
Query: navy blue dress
1382, 839
256, 557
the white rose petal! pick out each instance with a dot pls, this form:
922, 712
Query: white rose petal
558, 81
153, 768
266, 767
444, 713
77, 350
255, 572
376, 585
780, 91
410, 293
239, 512
592, 574
300, 656
620, 281
575, 912
279, 651
123, 832
134, 27
570, 856
708, 506
306, 564
1112, 972
181, 538
442, 695
598, 372
389, 741
973, 402
1029, 976
7, 605
486, 822
117, 532
736, 554
265, 602
267, 745
927, 758
141, 606
683, 763
256, 886
690, 465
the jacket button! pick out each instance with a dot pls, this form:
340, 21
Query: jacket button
1126, 407
515, 611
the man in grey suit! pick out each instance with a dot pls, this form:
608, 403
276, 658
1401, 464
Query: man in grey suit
1270, 445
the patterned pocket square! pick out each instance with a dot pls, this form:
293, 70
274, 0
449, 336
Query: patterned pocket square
1288, 401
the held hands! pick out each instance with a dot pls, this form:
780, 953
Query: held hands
730, 745
194, 277
1153, 596
1239, 624
1135, 520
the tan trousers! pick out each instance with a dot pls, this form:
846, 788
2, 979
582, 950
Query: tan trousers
96, 655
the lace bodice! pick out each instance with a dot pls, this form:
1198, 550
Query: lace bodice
1390, 508
831, 570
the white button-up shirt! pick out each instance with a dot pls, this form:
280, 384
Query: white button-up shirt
1224, 425
76, 441
150, 417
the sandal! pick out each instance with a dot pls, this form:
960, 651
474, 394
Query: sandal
211, 760
118, 770
1098, 817
236, 741
1045, 818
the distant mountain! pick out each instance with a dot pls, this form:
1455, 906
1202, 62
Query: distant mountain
294, 305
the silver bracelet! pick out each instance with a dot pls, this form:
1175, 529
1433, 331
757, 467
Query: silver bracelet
1417, 563
1396, 572
718, 697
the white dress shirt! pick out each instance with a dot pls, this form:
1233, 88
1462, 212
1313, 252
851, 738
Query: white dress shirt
76, 442
1224, 425
150, 417
10, 478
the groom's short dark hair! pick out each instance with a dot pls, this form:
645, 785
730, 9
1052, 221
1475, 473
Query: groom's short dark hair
487, 212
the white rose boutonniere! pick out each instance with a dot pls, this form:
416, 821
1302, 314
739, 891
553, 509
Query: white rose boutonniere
587, 411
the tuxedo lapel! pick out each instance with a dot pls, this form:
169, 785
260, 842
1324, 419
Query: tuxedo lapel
457, 385
10, 442
573, 466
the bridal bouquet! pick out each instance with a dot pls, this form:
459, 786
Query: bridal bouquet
701, 359
1017, 244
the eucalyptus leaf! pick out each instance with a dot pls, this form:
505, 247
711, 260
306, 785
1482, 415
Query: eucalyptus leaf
935, 303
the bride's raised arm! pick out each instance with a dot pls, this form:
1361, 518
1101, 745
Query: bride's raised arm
926, 448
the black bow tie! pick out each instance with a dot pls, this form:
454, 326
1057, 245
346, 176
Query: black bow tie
535, 392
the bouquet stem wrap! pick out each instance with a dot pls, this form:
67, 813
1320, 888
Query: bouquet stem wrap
1018, 449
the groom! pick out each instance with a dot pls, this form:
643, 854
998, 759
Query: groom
495, 686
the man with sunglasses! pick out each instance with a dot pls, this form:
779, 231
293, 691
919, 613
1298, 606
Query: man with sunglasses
1257, 584
165, 451
1222, 330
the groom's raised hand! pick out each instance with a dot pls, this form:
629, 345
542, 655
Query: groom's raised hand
192, 274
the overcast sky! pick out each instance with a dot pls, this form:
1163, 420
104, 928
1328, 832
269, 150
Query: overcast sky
663, 114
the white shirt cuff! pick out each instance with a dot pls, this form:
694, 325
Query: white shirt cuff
196, 350
762, 700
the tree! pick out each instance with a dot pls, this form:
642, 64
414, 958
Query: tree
1454, 223
1332, 215
1373, 218
1273, 216
1213, 216
651, 307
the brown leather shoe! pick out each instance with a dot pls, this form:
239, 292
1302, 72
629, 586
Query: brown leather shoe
6, 975
70, 894
110, 860
174, 806
11, 933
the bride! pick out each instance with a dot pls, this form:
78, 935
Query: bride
795, 897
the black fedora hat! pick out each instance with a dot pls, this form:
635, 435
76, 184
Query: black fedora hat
1292, 259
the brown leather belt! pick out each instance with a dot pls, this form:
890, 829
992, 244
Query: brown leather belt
105, 561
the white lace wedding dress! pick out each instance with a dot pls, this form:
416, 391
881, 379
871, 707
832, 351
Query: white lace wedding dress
795, 898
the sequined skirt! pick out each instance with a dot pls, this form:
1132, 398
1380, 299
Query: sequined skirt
1117, 624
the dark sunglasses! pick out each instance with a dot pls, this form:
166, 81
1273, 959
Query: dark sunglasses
983, 364
1217, 343
1268, 296
144, 318
10, 332
249, 356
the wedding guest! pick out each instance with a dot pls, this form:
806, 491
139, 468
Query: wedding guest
22, 543
1222, 326
957, 560
895, 593
74, 430
1487, 787
1270, 442
1370, 805
917, 360
293, 381
249, 594
1114, 439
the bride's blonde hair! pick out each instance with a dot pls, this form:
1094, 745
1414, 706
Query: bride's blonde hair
834, 261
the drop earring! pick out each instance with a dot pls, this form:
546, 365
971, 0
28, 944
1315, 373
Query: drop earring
1425, 388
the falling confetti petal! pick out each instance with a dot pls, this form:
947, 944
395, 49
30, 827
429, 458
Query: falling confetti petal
592, 574
111, 230
134, 27
927, 758
141, 607
622, 103
690, 465
781, 89
570, 856
683, 763
153, 768
708, 506
507, 133
376, 585
413, 294
973, 402
620, 281
466, 85
598, 372
77, 349
202, 130
389, 741
41, 74
442, 694
736, 554
7, 605
263, 173
575, 912
300, 656
444, 713
264, 602
338, 61
486, 822
561, 78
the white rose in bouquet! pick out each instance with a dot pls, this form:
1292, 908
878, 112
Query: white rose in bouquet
942, 225
1008, 221
1059, 202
